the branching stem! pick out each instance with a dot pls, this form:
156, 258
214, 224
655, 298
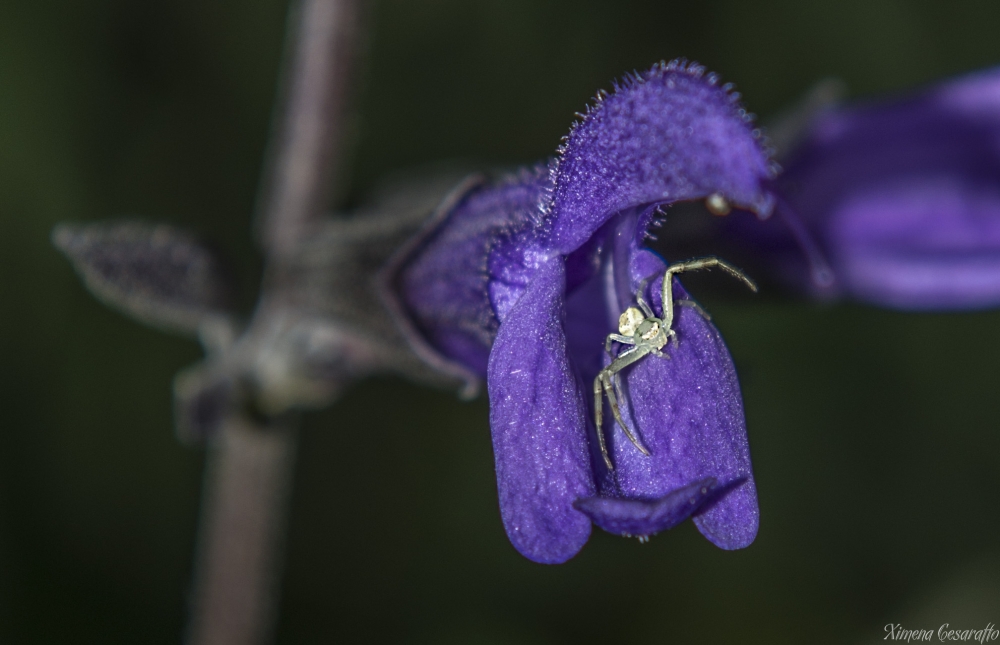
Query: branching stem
247, 486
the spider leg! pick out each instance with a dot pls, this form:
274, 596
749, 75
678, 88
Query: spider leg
599, 419
616, 383
642, 283
668, 296
694, 305
618, 338
646, 309
607, 376
605, 384
599, 392
609, 390
694, 265
708, 263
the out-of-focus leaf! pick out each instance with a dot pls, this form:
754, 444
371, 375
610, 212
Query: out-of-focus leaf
157, 274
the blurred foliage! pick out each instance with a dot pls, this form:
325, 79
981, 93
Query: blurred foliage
874, 433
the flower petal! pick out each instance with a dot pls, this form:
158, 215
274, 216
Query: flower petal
904, 196
689, 413
667, 135
629, 517
443, 279
538, 420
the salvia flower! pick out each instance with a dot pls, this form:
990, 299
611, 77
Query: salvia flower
520, 280
902, 198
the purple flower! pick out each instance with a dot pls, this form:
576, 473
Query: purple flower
522, 279
901, 196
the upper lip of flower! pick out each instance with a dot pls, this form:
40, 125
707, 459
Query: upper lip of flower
900, 195
559, 253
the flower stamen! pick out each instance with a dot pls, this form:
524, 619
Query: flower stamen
717, 204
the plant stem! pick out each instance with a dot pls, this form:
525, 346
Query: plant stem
247, 486
307, 134
249, 473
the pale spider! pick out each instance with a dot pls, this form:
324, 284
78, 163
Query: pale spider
647, 334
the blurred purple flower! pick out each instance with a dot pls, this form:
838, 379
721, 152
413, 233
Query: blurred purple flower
521, 280
901, 196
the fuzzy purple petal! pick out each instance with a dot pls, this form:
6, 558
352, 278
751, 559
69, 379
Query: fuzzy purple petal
667, 135
904, 196
688, 411
538, 419
445, 283
629, 517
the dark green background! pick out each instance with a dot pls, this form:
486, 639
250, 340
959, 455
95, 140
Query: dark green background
874, 434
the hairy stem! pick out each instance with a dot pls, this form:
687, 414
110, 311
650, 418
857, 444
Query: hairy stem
250, 468
247, 486
307, 135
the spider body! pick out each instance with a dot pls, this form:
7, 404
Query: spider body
646, 334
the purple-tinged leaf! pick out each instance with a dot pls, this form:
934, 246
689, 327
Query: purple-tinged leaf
157, 274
